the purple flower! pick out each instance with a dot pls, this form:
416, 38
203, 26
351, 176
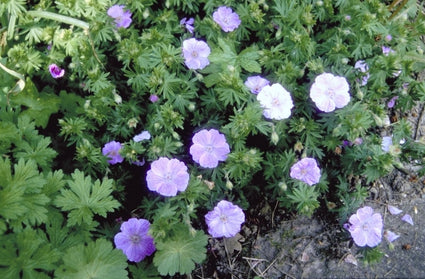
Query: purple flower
166, 177
276, 102
394, 210
386, 143
112, 151
145, 135
366, 227
329, 92
153, 98
55, 71
388, 38
387, 50
134, 240
224, 220
306, 170
188, 24
390, 236
407, 218
208, 148
226, 18
391, 103
362, 66
195, 53
256, 83
122, 18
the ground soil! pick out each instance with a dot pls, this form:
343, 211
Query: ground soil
282, 245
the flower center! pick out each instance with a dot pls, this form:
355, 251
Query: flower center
168, 177
135, 239
275, 102
331, 92
194, 54
209, 149
223, 218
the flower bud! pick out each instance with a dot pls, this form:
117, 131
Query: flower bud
229, 185
274, 137
282, 185
132, 122
191, 107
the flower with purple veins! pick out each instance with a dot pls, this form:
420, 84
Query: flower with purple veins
134, 240
329, 92
256, 83
122, 18
225, 219
195, 53
276, 102
112, 151
306, 170
56, 71
188, 24
226, 18
208, 148
362, 66
366, 227
167, 176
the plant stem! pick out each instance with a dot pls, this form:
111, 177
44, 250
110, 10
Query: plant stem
60, 18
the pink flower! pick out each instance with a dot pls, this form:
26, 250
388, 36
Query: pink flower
226, 18
366, 227
306, 170
195, 53
55, 71
329, 92
166, 177
208, 148
276, 102
224, 220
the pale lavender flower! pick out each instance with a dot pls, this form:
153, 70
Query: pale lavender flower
188, 24
166, 176
329, 92
407, 218
391, 102
224, 220
388, 38
112, 151
256, 83
387, 50
366, 227
306, 170
226, 18
195, 53
386, 143
208, 148
276, 102
145, 135
134, 240
362, 66
122, 18
394, 210
390, 236
153, 98
56, 71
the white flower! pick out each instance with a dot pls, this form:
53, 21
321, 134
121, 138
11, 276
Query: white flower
145, 135
276, 101
329, 92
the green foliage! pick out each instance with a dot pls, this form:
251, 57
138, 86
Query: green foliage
95, 260
180, 253
83, 199
303, 198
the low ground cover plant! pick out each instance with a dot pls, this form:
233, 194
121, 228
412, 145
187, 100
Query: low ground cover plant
133, 131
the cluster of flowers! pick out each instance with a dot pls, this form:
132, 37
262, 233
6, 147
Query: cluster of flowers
366, 227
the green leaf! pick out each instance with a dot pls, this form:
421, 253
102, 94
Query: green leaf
84, 198
143, 271
180, 253
97, 260
248, 60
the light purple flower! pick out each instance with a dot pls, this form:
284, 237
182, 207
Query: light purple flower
166, 176
391, 103
145, 135
226, 18
386, 143
362, 66
256, 83
188, 24
134, 240
366, 227
390, 236
195, 53
56, 71
329, 92
276, 102
388, 38
122, 18
112, 151
208, 148
394, 210
387, 50
153, 98
224, 220
306, 170
407, 218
